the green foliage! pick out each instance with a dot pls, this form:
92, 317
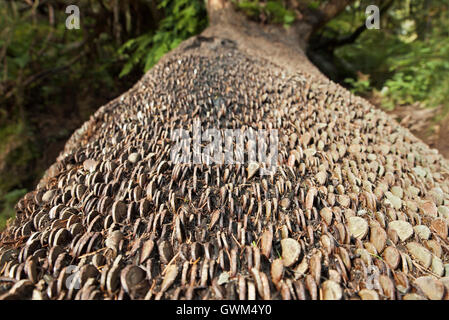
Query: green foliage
274, 11
16, 152
7, 203
359, 86
278, 13
183, 19
250, 8
314, 4
370, 55
29, 45
406, 61
421, 74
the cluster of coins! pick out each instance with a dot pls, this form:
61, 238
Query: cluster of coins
357, 209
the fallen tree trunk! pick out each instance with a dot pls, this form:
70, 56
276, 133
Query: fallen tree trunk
356, 208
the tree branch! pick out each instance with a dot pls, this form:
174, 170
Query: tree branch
326, 12
45, 73
331, 9
332, 43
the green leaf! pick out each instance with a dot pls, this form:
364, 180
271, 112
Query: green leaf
22, 60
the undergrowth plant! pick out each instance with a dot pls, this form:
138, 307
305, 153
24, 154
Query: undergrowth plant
183, 19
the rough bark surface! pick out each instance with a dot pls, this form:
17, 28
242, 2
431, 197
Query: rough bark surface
358, 207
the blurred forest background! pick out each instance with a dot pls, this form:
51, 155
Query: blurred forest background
52, 78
